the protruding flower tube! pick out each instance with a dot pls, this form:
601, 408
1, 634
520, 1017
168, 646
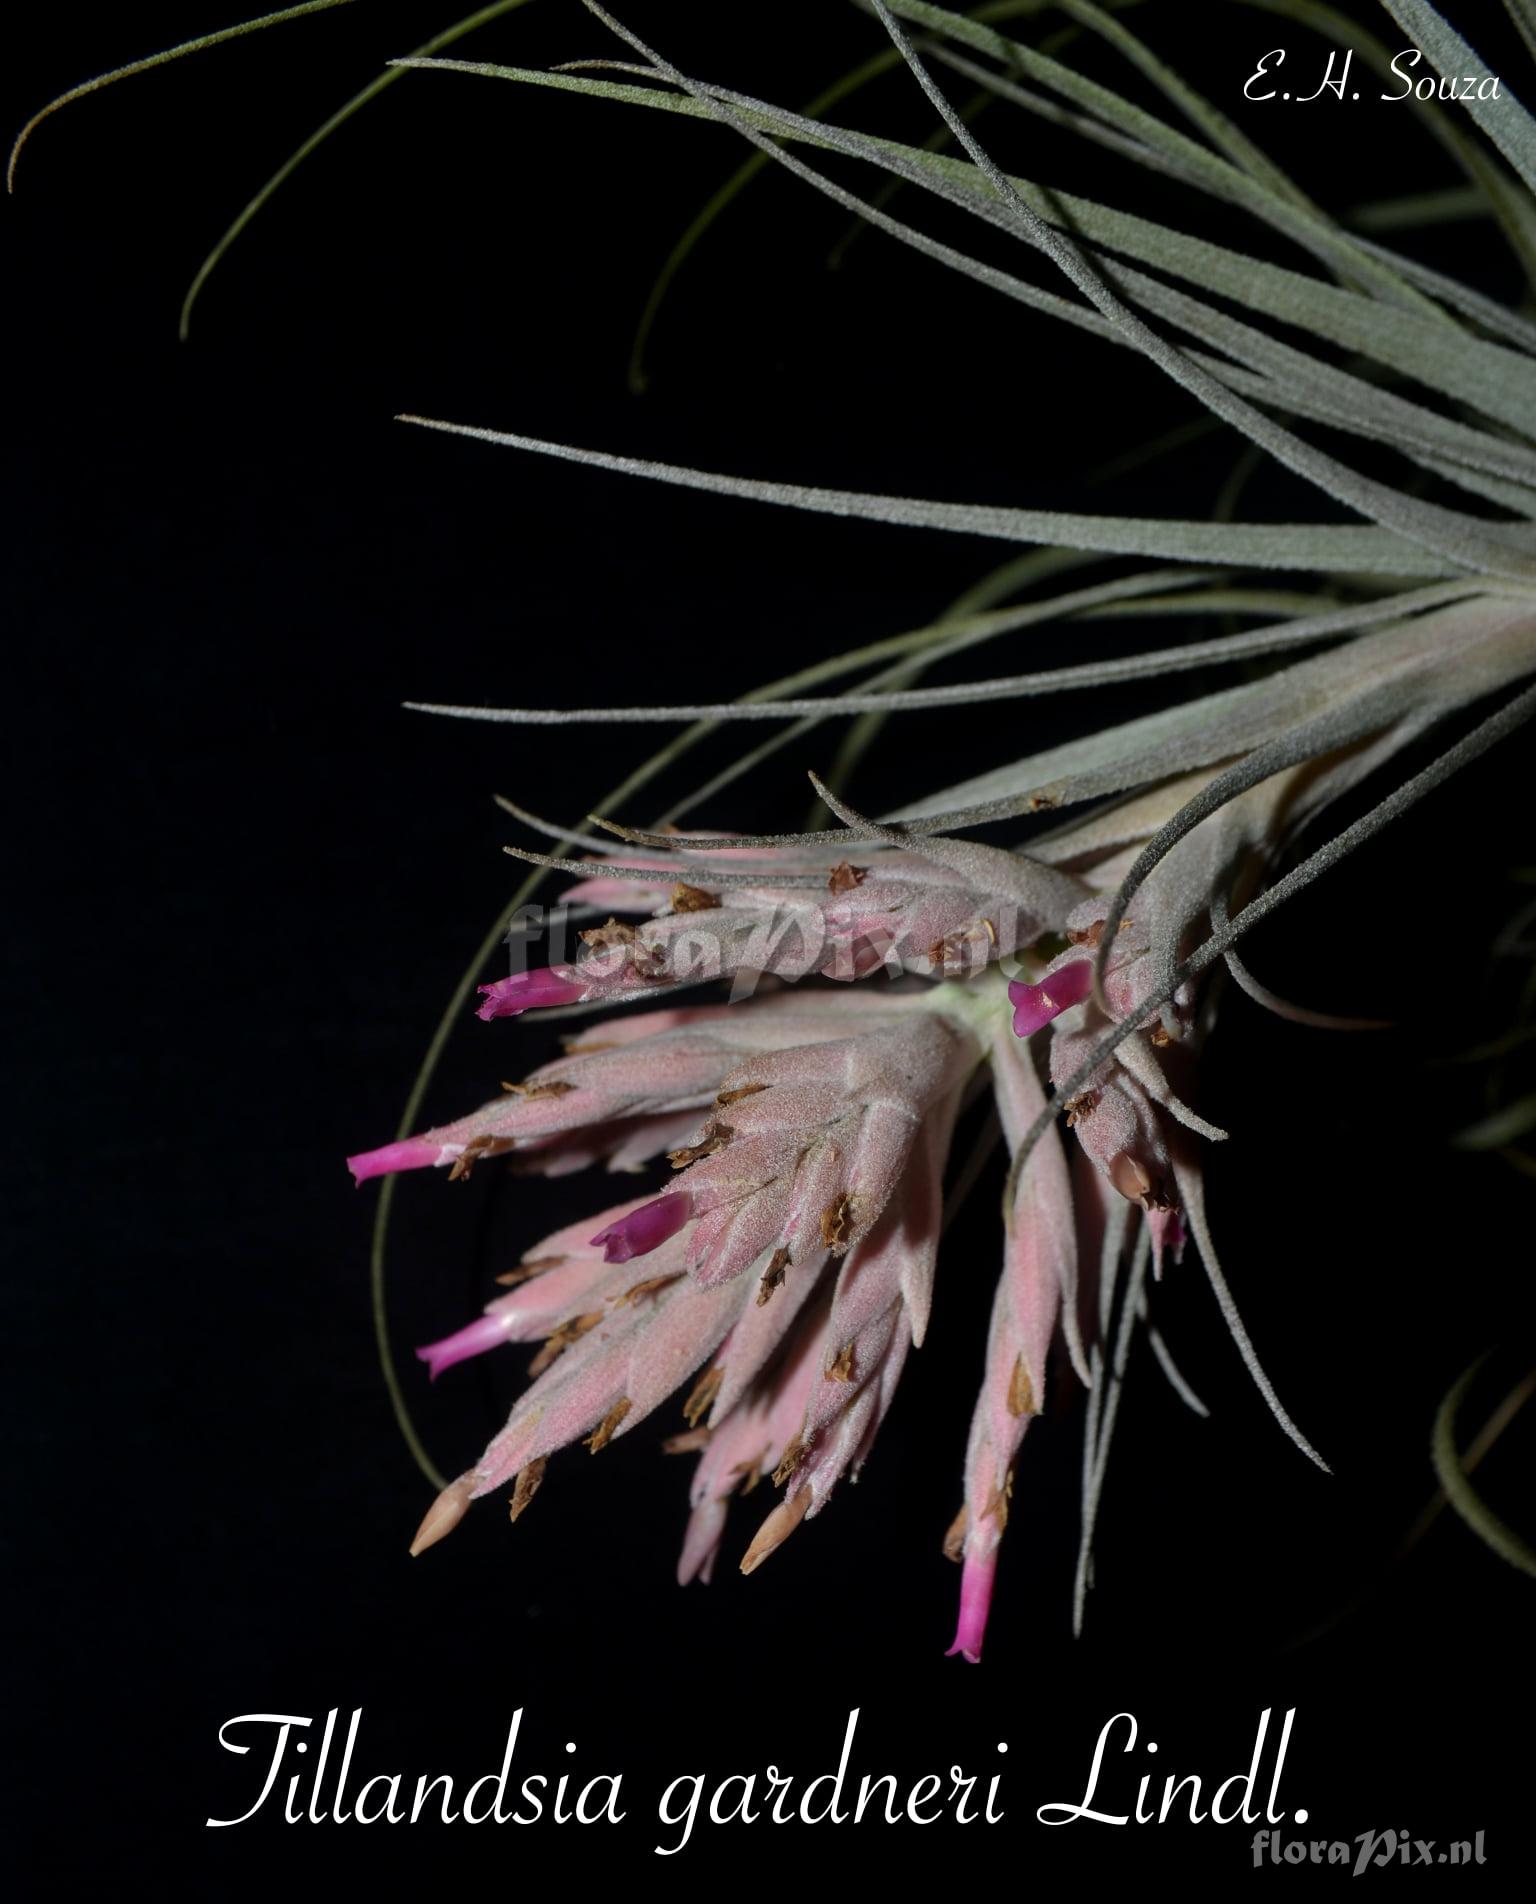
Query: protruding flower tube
976, 1581
645, 1229
526, 991
1036, 1005
485, 1332
411, 1153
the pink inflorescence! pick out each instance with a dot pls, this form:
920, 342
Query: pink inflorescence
790, 1271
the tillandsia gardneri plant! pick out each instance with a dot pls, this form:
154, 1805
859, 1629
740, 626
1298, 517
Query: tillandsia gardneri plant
780, 1276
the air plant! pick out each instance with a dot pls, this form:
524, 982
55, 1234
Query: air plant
886, 973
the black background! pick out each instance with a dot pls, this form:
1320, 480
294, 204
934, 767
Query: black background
244, 883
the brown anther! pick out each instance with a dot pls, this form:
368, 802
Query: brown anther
1021, 1391
837, 1224
749, 1473
530, 1266
1040, 802
1160, 1035
556, 1343
527, 1485
636, 1292
1160, 1197
735, 1096
791, 1458
954, 1538
1087, 935
716, 1137
843, 878
1081, 1106
955, 954
608, 1427
773, 1275
688, 1443
693, 899
705, 1389
539, 1087
473, 1151
840, 1368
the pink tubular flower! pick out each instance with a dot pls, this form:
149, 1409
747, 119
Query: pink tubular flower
473, 1339
645, 1229
412, 1153
1063, 986
527, 991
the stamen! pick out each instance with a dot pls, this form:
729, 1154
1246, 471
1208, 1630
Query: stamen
702, 1398
556, 1344
1021, 1392
716, 1137
735, 1096
527, 1485
837, 1224
605, 1430
793, 1455
773, 1275
840, 1368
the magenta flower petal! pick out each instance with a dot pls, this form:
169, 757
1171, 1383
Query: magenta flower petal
411, 1153
645, 1229
486, 1332
526, 991
1058, 991
975, 1604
